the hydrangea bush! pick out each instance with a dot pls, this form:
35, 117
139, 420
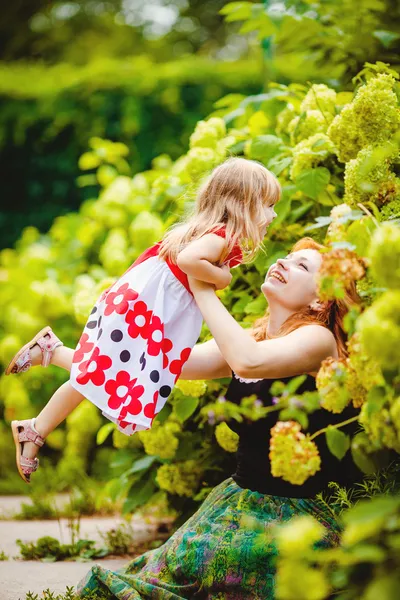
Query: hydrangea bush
336, 155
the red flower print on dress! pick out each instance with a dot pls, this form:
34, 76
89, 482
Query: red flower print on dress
124, 392
124, 424
157, 342
151, 407
83, 348
93, 369
118, 301
103, 294
139, 319
176, 366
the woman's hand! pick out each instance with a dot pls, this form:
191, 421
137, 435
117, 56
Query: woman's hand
224, 279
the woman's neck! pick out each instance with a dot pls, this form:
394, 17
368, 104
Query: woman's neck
277, 317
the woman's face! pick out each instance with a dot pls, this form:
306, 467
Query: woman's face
291, 281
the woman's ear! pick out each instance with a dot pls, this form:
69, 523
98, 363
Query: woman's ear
318, 305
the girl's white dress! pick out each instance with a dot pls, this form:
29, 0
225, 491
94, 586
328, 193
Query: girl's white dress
137, 339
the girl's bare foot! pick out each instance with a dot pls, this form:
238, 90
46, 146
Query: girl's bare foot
30, 449
36, 355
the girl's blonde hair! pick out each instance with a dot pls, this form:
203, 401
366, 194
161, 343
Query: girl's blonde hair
331, 316
234, 197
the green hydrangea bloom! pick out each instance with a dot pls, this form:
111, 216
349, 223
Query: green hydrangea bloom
379, 328
226, 438
114, 252
391, 210
314, 584
384, 253
15, 397
369, 177
284, 118
395, 416
145, 230
372, 118
303, 127
181, 478
331, 384
191, 388
364, 373
161, 440
298, 535
293, 456
366, 289
377, 109
380, 427
345, 134
120, 440
337, 229
208, 133
309, 153
200, 160
320, 97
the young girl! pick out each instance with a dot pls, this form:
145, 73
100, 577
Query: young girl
142, 329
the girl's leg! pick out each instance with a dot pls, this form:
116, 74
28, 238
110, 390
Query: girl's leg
62, 357
60, 405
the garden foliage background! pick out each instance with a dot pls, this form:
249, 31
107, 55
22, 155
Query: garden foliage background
321, 110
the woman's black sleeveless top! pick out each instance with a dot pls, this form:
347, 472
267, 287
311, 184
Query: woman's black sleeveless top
253, 469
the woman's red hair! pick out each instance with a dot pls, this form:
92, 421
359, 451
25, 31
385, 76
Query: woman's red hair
331, 316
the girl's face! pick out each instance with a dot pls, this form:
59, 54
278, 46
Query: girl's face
291, 281
270, 214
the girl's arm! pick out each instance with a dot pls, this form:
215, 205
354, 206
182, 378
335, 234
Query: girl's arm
296, 353
205, 362
197, 259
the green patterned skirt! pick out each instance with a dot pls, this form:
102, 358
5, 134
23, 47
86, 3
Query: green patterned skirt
217, 554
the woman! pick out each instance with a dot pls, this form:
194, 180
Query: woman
217, 552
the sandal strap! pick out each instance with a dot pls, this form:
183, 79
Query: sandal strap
23, 363
28, 465
48, 343
28, 434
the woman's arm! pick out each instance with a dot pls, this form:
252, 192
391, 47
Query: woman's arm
298, 352
205, 362
197, 259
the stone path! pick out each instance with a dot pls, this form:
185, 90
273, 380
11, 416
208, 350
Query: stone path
18, 577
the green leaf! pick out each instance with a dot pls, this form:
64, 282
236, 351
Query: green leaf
359, 234
139, 494
277, 165
140, 465
104, 432
385, 587
237, 11
265, 147
386, 37
337, 441
313, 181
185, 407
241, 304
295, 383
297, 213
364, 460
320, 222
164, 413
257, 306
376, 399
294, 414
363, 553
115, 488
282, 208
261, 23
